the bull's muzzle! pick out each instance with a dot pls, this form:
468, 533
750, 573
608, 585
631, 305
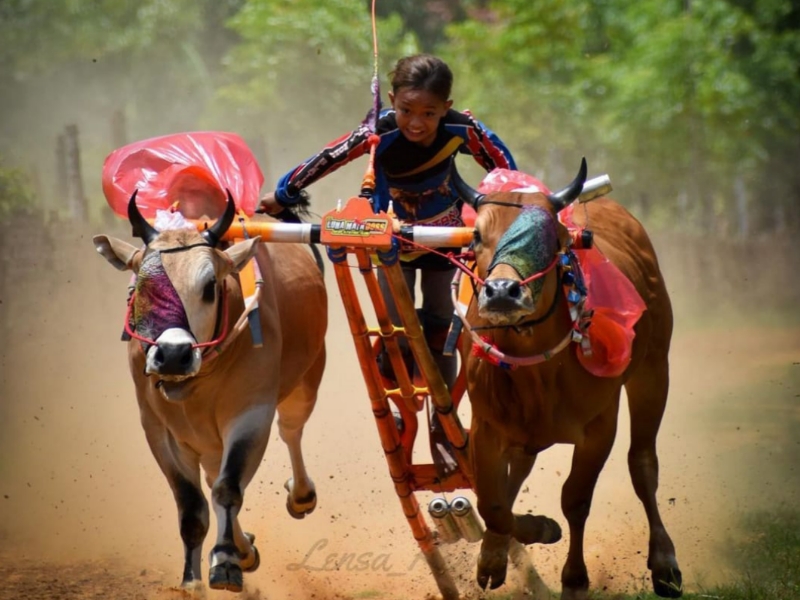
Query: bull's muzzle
504, 298
174, 356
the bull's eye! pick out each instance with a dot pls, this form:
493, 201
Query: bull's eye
476, 237
210, 291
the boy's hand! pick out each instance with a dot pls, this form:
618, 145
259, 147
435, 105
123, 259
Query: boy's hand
269, 205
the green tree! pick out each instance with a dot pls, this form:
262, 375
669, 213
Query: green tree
306, 64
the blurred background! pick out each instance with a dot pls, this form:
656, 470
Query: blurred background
691, 106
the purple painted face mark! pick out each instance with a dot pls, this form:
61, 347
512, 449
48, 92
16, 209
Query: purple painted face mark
157, 306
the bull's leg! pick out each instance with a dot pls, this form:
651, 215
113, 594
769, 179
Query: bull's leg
647, 398
293, 413
491, 486
244, 445
576, 498
528, 529
181, 467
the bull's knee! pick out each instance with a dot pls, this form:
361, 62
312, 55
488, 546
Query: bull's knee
497, 518
227, 492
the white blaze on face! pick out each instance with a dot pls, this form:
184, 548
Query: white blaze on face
173, 338
192, 275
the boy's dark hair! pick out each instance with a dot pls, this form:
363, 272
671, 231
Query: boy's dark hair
423, 72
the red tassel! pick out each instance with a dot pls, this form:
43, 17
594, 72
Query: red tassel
479, 351
483, 354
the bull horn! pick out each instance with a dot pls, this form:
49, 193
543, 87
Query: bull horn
468, 194
561, 198
141, 228
214, 234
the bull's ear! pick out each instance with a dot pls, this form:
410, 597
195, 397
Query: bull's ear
241, 252
120, 254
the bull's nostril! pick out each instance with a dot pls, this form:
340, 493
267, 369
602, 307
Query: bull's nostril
514, 290
186, 359
489, 290
158, 357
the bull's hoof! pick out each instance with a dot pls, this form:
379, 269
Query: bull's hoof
255, 564
298, 508
226, 576
536, 529
668, 583
493, 560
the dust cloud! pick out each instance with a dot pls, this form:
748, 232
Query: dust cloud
77, 481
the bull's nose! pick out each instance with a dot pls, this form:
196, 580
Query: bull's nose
500, 289
502, 294
173, 359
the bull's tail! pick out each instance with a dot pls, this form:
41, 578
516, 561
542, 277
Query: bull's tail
318, 257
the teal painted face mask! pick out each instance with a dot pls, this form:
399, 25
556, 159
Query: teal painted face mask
528, 246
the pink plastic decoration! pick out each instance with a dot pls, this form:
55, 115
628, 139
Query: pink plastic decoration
193, 169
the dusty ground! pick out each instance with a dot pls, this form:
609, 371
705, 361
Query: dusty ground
86, 514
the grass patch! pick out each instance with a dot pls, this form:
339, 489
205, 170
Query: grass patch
765, 561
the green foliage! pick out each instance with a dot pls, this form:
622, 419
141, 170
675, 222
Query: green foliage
306, 62
674, 99
765, 562
768, 558
425, 20
513, 81
690, 106
16, 194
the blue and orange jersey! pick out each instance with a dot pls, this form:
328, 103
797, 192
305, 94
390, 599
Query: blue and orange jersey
416, 178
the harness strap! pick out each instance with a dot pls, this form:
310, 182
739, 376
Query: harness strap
447, 150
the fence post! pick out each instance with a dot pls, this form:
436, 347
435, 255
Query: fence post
61, 188
77, 199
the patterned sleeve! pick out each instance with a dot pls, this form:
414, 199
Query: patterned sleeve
486, 147
339, 152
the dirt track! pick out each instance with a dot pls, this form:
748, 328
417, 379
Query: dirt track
86, 513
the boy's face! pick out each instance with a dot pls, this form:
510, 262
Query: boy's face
418, 114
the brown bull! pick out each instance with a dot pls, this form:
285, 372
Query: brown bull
549, 398
200, 409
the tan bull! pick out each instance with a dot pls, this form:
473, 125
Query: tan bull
549, 398
200, 409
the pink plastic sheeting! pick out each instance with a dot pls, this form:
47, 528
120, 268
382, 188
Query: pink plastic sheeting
193, 169
616, 303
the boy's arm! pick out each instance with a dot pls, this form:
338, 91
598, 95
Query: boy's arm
486, 147
339, 152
